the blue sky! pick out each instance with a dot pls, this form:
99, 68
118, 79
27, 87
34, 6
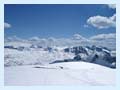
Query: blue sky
59, 21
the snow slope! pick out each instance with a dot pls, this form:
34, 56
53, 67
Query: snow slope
70, 73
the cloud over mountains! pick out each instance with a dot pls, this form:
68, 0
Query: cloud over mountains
107, 40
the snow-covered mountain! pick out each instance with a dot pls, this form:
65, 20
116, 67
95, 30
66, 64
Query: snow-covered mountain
32, 53
94, 54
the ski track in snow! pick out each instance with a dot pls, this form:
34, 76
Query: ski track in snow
53, 75
85, 79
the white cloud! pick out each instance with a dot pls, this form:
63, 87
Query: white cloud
78, 37
111, 36
34, 38
7, 25
102, 22
112, 6
106, 40
113, 18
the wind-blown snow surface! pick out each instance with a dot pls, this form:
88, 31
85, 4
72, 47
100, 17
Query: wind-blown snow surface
70, 73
